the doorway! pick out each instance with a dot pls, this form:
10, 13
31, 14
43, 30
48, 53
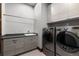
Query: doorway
0, 27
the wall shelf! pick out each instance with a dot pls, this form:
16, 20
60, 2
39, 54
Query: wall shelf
70, 21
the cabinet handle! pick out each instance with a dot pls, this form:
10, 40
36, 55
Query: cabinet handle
14, 41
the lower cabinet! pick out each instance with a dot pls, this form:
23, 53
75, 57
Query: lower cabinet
33, 42
27, 43
30, 43
8, 47
15, 46
19, 47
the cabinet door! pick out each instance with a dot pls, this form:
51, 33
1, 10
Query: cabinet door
61, 12
19, 42
30, 43
33, 42
19, 45
73, 10
57, 12
27, 43
8, 47
8, 44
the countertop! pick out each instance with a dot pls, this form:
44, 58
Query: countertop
9, 36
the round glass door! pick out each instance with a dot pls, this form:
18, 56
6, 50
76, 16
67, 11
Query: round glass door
67, 41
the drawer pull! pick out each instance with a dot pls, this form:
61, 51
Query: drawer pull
14, 41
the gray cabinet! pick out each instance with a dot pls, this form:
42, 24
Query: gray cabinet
27, 43
9, 44
15, 46
30, 43
33, 42
8, 47
19, 47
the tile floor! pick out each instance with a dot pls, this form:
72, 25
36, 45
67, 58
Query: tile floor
34, 53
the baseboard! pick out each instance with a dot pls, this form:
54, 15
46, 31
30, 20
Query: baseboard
41, 50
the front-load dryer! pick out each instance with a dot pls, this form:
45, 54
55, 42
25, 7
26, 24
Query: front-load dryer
67, 40
48, 44
48, 41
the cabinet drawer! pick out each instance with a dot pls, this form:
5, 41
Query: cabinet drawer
9, 42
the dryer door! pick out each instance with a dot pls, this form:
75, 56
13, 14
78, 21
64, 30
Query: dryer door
68, 41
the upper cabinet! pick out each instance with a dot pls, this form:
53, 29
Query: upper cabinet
57, 12
62, 11
73, 10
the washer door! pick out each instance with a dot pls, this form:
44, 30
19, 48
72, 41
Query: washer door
68, 41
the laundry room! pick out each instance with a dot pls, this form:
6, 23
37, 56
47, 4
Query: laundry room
39, 29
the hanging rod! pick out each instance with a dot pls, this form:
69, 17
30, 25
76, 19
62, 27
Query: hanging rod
17, 16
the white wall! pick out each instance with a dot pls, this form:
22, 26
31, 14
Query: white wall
49, 13
62, 11
15, 24
18, 9
3, 19
41, 21
18, 25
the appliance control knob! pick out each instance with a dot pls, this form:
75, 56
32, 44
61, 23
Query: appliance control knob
65, 29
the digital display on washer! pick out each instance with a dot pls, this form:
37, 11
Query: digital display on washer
75, 27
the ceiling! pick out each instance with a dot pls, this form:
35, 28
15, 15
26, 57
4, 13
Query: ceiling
31, 4
34, 4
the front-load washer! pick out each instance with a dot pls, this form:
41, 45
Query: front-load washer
67, 40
